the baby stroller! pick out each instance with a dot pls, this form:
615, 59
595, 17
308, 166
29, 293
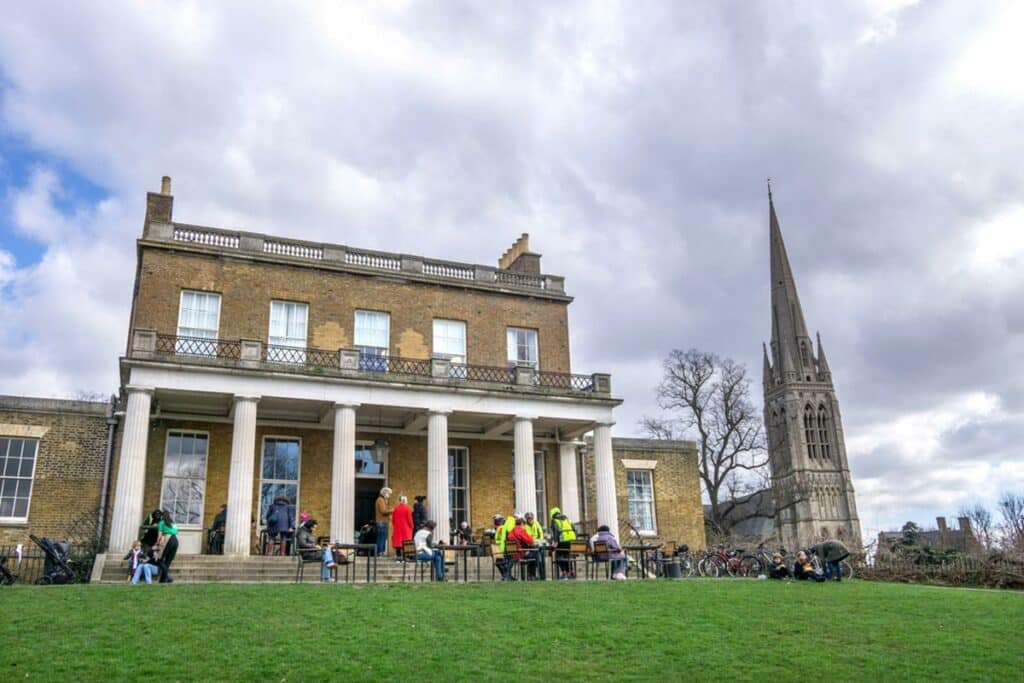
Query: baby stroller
55, 566
6, 578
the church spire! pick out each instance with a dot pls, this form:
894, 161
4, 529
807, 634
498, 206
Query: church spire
824, 372
791, 344
766, 372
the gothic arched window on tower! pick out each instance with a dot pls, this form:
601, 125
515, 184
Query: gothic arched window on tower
810, 433
803, 354
823, 439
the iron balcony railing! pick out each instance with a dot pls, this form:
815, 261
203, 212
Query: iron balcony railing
365, 364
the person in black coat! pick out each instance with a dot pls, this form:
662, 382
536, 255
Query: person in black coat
419, 513
151, 532
280, 521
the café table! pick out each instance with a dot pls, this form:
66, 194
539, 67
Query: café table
371, 556
465, 549
641, 556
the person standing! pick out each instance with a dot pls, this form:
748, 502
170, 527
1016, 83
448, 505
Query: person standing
419, 513
401, 526
150, 532
562, 534
382, 516
166, 546
281, 523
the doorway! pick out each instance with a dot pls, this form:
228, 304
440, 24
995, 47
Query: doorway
367, 491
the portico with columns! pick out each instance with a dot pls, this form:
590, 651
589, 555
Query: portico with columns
169, 391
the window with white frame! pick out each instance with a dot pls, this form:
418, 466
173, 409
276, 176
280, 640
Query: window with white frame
372, 335
522, 346
458, 485
640, 494
287, 332
538, 474
17, 467
450, 340
184, 483
198, 320
280, 472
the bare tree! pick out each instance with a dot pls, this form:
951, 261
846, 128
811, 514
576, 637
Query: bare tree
1011, 509
982, 523
708, 399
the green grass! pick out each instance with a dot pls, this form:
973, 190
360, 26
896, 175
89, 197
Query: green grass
697, 629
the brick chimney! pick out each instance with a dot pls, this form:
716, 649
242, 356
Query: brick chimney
970, 541
519, 259
159, 205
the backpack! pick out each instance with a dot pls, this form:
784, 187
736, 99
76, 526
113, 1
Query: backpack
272, 517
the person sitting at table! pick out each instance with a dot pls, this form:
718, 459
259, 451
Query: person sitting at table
525, 547
536, 531
616, 555
464, 536
424, 541
499, 533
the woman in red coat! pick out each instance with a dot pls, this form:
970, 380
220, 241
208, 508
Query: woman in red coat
401, 521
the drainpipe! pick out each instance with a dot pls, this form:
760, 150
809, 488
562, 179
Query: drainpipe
583, 481
105, 490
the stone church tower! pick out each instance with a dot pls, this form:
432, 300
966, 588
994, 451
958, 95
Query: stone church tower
811, 483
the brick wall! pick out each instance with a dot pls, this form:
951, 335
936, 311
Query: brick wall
677, 501
247, 287
67, 484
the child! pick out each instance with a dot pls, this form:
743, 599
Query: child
139, 564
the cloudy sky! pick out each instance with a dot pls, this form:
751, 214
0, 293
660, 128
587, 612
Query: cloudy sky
631, 140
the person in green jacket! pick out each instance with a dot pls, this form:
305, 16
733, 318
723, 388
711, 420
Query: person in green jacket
500, 533
536, 532
831, 553
562, 533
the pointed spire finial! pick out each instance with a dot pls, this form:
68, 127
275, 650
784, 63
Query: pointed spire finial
823, 367
769, 189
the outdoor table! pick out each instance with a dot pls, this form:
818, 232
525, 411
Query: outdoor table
371, 556
641, 552
464, 549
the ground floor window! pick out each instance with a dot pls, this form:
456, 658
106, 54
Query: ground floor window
184, 483
281, 459
17, 467
640, 492
458, 485
542, 497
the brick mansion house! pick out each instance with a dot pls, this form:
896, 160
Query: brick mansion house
258, 367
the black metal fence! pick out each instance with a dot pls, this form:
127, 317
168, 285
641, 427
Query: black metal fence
30, 566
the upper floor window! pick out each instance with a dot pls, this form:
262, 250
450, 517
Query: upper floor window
17, 467
198, 318
522, 346
450, 340
810, 433
287, 329
372, 335
823, 440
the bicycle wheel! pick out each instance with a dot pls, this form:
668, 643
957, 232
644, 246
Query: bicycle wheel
847, 568
748, 566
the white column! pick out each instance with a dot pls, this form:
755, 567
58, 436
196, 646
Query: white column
525, 477
131, 473
569, 499
437, 473
343, 473
604, 475
238, 528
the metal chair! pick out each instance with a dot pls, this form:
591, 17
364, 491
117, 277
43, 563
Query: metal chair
409, 554
600, 555
519, 557
303, 560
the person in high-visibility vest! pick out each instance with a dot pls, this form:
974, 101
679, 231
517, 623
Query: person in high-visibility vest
536, 532
500, 534
562, 533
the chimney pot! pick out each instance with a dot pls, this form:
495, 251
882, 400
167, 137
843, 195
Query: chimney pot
165, 185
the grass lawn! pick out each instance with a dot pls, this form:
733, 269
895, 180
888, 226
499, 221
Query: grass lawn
696, 629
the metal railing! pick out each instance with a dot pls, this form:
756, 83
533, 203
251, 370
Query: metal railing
368, 365
565, 380
197, 346
294, 355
